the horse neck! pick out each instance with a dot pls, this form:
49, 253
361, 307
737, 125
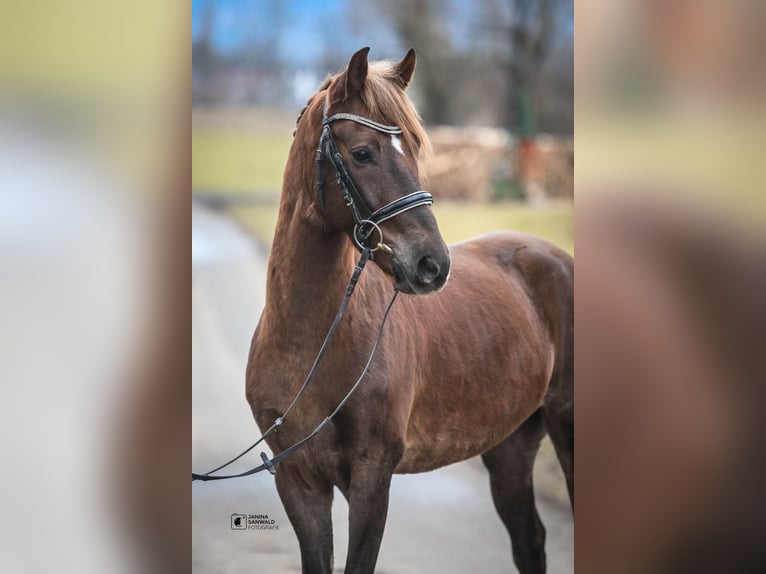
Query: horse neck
309, 267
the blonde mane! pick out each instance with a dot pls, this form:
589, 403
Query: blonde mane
388, 102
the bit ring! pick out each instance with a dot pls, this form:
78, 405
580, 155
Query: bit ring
358, 238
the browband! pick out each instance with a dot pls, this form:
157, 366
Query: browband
393, 130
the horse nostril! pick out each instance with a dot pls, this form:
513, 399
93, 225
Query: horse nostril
428, 269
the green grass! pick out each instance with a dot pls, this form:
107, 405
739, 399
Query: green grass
460, 221
258, 220
457, 221
238, 161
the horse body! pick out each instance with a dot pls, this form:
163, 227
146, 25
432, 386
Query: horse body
474, 368
487, 362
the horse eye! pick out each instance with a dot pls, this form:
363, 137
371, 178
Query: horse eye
362, 155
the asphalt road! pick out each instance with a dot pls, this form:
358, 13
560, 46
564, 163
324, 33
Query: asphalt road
439, 522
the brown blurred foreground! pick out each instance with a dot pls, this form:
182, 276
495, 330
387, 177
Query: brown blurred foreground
670, 314
670, 330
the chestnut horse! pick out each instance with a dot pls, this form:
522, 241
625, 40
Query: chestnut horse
480, 364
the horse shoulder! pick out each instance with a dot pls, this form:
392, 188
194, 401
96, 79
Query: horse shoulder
262, 388
545, 271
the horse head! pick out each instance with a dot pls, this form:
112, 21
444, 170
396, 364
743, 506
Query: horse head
369, 158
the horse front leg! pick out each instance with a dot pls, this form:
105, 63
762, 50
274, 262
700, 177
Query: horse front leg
307, 501
368, 507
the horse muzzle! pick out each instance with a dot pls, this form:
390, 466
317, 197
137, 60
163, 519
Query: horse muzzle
425, 274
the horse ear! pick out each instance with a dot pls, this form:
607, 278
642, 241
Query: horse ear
404, 70
352, 80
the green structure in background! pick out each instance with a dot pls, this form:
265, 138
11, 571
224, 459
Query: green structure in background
509, 179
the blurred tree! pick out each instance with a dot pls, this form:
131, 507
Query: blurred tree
496, 62
506, 62
524, 34
529, 32
423, 24
204, 59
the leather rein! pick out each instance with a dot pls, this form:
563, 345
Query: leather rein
364, 227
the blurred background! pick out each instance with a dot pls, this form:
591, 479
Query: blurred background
494, 84
95, 181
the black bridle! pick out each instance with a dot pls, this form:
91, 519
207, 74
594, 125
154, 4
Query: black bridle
364, 226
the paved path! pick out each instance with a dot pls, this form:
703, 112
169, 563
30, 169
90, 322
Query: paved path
440, 522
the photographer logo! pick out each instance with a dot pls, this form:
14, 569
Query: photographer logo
239, 521
253, 522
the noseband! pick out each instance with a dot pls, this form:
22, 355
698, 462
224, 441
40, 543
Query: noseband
363, 225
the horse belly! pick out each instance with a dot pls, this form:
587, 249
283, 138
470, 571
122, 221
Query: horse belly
454, 420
